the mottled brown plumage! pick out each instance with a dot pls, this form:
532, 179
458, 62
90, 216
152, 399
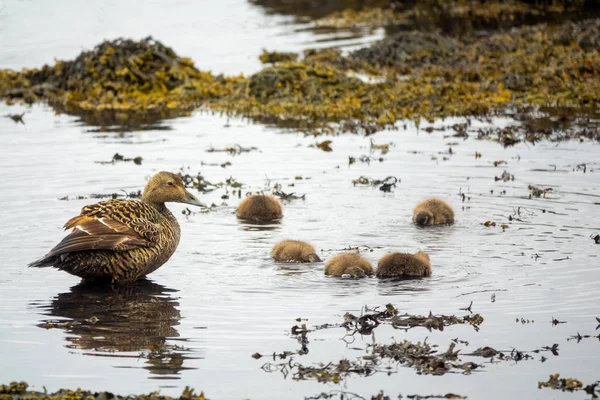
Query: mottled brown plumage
433, 212
259, 207
348, 264
294, 250
403, 265
120, 241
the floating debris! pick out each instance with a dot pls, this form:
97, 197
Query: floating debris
288, 196
596, 239
118, 157
383, 148
537, 192
505, 177
364, 159
365, 324
579, 337
569, 384
386, 184
324, 145
124, 195
17, 118
236, 149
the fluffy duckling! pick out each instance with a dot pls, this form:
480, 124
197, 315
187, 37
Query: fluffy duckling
259, 207
433, 212
120, 241
349, 263
294, 250
403, 265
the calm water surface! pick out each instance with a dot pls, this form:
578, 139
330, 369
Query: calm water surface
220, 299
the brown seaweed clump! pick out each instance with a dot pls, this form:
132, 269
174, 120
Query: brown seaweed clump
433, 212
415, 73
18, 391
352, 264
118, 81
404, 265
294, 251
259, 207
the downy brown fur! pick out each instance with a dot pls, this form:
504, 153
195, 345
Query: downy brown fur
403, 265
349, 263
259, 207
433, 212
294, 250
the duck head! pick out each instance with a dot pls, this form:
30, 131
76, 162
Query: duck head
165, 187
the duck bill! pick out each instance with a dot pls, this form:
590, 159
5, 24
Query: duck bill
192, 200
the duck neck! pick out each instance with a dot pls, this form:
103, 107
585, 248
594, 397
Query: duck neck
160, 207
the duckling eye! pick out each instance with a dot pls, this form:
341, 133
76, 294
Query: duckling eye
170, 183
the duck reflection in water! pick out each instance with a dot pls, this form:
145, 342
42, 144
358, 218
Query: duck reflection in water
138, 318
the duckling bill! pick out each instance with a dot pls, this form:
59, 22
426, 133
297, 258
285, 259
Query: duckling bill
404, 265
260, 208
348, 264
294, 251
433, 212
120, 241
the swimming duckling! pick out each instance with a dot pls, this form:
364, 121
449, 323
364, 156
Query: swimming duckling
403, 265
120, 241
348, 264
259, 207
294, 250
433, 212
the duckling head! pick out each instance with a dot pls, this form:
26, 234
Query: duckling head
356, 272
312, 257
167, 187
424, 218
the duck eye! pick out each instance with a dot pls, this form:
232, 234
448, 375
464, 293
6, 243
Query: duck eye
170, 183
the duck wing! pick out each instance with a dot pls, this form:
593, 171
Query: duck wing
93, 233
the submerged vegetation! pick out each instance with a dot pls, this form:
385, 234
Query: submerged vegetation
532, 57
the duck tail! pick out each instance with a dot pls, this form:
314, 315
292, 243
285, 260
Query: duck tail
44, 262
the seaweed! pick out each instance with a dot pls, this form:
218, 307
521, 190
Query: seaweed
544, 75
18, 391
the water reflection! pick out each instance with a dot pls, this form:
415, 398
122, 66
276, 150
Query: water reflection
138, 318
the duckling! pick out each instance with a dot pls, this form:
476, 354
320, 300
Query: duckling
433, 212
348, 263
294, 250
403, 264
259, 207
120, 241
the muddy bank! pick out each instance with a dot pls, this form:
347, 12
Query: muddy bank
410, 75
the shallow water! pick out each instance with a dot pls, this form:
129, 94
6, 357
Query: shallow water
221, 299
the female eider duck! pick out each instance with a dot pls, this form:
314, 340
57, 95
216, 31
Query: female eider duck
295, 251
259, 207
348, 264
403, 265
120, 241
433, 212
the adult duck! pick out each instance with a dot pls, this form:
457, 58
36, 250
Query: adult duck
120, 241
